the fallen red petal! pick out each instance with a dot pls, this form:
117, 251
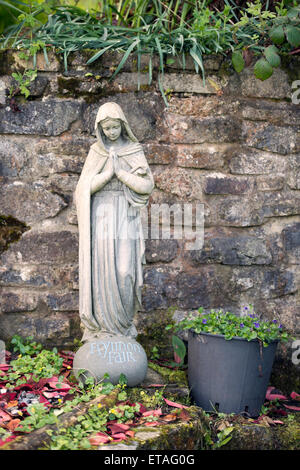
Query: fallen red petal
295, 396
157, 412
176, 405
274, 396
290, 407
119, 436
100, 438
117, 428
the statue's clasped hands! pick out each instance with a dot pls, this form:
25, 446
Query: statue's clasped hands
113, 162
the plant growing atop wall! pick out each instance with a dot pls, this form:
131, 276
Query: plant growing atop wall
264, 30
167, 29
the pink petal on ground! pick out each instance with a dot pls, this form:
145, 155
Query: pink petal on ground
153, 413
100, 438
62, 387
118, 427
290, 407
119, 436
142, 408
274, 396
295, 396
176, 405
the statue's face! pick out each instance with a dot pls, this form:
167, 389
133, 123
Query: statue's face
112, 129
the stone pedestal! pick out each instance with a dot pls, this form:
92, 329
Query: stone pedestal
114, 355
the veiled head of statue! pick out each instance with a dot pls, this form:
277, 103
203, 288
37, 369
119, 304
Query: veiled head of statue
110, 113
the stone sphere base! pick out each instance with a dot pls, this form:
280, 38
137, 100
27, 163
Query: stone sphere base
112, 355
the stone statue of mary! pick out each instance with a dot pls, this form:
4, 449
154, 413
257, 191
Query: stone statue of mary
114, 185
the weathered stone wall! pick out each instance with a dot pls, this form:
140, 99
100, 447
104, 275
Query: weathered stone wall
233, 145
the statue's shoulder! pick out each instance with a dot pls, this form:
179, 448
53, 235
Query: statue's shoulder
132, 148
95, 148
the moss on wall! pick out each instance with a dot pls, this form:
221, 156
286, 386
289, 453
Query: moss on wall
10, 231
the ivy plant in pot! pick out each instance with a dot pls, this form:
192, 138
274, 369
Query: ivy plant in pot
230, 359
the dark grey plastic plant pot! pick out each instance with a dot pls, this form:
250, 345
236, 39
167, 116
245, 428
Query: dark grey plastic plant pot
230, 376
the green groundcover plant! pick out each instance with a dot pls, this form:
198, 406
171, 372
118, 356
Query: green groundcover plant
248, 326
257, 32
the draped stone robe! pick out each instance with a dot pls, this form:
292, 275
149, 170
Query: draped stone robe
111, 244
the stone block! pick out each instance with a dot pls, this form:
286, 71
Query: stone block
203, 106
161, 250
270, 183
211, 62
57, 248
205, 288
274, 112
250, 285
219, 183
277, 204
293, 180
285, 310
67, 302
265, 136
63, 183
159, 154
204, 156
190, 83
160, 288
245, 161
14, 156
152, 300
11, 301
38, 86
277, 86
30, 203
53, 64
239, 211
38, 276
291, 242
51, 117
179, 181
133, 81
193, 130
277, 283
54, 329
233, 250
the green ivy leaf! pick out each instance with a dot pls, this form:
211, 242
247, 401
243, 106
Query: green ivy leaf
263, 69
238, 61
293, 35
277, 35
271, 54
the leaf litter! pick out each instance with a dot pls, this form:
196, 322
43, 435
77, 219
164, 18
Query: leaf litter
53, 392
18, 401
